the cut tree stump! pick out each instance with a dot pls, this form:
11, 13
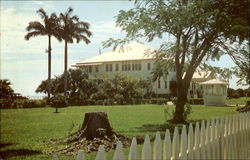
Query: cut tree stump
96, 125
95, 131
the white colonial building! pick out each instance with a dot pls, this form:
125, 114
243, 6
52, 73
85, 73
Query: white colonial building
135, 59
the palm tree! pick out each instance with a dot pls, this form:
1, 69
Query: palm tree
71, 28
48, 28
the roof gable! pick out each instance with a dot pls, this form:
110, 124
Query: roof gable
132, 51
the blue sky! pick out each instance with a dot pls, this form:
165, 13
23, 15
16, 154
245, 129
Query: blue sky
24, 63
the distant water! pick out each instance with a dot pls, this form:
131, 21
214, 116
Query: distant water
35, 97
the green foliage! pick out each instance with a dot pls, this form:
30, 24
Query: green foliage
196, 101
199, 31
58, 101
187, 111
71, 28
236, 93
120, 89
237, 101
21, 103
242, 68
6, 91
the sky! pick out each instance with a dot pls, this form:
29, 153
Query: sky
24, 63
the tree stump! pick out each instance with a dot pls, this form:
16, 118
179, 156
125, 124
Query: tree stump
96, 125
95, 131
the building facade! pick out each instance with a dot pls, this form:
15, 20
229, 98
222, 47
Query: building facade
135, 59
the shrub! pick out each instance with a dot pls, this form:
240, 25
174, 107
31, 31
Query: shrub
58, 101
187, 111
22, 103
196, 101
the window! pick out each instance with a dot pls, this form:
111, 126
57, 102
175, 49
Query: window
123, 66
166, 84
117, 67
149, 66
107, 67
129, 66
159, 83
139, 66
90, 69
110, 67
96, 69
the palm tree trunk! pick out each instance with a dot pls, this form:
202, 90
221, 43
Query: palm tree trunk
49, 67
65, 67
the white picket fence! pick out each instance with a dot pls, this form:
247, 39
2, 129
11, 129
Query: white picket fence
219, 138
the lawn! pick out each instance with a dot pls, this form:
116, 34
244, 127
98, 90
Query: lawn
237, 101
24, 132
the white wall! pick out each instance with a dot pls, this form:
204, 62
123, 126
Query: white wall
144, 73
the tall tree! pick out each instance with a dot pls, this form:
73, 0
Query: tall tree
242, 68
48, 27
5, 90
72, 28
199, 30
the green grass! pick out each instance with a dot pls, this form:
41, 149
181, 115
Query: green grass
24, 132
239, 101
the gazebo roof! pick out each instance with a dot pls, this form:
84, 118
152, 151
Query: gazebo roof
215, 81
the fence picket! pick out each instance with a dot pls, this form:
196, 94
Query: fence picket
146, 149
207, 140
167, 149
54, 157
197, 141
219, 138
101, 153
203, 140
175, 144
133, 150
190, 142
183, 151
157, 154
118, 155
80, 155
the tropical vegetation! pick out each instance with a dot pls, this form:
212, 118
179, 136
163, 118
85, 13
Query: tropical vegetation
65, 27
119, 89
199, 31
48, 27
72, 28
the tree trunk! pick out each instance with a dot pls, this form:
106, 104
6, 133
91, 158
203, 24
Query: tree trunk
49, 67
65, 68
179, 108
96, 125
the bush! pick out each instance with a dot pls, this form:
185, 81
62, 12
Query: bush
58, 101
196, 101
22, 103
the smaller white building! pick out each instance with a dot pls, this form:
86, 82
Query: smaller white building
214, 92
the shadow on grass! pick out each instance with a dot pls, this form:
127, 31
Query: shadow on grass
2, 145
18, 152
163, 127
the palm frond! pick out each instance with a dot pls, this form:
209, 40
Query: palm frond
83, 38
83, 31
42, 13
35, 25
74, 18
83, 24
34, 34
69, 11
